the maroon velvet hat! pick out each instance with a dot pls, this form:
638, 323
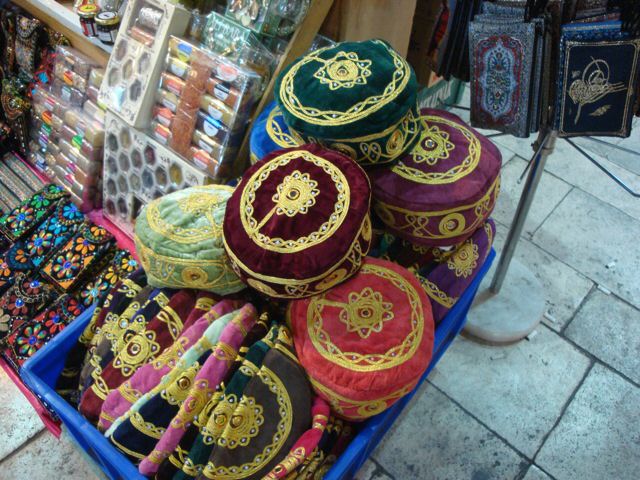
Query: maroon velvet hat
444, 188
298, 223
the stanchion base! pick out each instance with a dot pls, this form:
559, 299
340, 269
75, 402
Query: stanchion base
510, 315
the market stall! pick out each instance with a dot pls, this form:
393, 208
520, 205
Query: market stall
233, 247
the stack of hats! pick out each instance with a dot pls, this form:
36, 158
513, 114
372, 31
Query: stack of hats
434, 181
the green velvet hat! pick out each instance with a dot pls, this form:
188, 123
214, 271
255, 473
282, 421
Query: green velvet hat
356, 97
179, 241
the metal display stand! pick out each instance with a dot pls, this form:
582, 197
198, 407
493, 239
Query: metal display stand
505, 316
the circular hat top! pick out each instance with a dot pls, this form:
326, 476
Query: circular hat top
450, 170
296, 214
347, 90
369, 338
179, 240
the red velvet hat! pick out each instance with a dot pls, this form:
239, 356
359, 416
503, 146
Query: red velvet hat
444, 188
365, 343
299, 223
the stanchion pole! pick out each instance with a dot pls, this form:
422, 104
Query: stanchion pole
545, 145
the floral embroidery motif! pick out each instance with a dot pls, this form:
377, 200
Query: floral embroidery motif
244, 424
65, 267
39, 244
84, 246
434, 147
253, 226
464, 260
31, 339
138, 350
19, 219
296, 194
366, 312
345, 70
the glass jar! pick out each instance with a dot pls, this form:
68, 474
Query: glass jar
87, 14
107, 24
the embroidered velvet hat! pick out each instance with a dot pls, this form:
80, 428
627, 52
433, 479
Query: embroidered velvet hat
356, 97
269, 133
444, 188
365, 343
444, 274
299, 223
179, 241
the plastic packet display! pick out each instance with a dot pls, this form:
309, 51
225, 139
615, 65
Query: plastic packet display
239, 44
133, 71
138, 169
203, 106
268, 17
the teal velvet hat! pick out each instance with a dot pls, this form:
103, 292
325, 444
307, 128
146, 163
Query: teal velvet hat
179, 242
355, 97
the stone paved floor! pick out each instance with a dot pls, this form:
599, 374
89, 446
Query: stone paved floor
564, 405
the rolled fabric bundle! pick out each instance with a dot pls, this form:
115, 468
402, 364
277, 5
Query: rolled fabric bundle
445, 188
355, 97
273, 412
211, 374
178, 238
138, 431
366, 342
298, 222
134, 343
147, 377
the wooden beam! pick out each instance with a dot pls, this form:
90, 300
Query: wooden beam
299, 44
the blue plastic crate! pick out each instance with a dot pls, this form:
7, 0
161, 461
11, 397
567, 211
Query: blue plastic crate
41, 373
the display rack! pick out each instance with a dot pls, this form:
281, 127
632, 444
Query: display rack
61, 17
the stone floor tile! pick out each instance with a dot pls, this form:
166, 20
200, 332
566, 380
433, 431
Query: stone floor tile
599, 435
564, 288
550, 193
518, 390
45, 458
575, 169
620, 157
597, 240
371, 471
534, 473
521, 146
609, 329
437, 440
18, 420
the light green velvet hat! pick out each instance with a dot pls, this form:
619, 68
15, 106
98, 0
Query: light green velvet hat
179, 241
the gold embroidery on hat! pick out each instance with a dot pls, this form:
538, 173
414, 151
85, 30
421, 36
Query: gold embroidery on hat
368, 362
362, 109
435, 294
296, 194
441, 148
345, 70
282, 431
366, 312
275, 132
326, 230
136, 352
439, 225
243, 425
363, 408
201, 203
434, 146
464, 260
147, 428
